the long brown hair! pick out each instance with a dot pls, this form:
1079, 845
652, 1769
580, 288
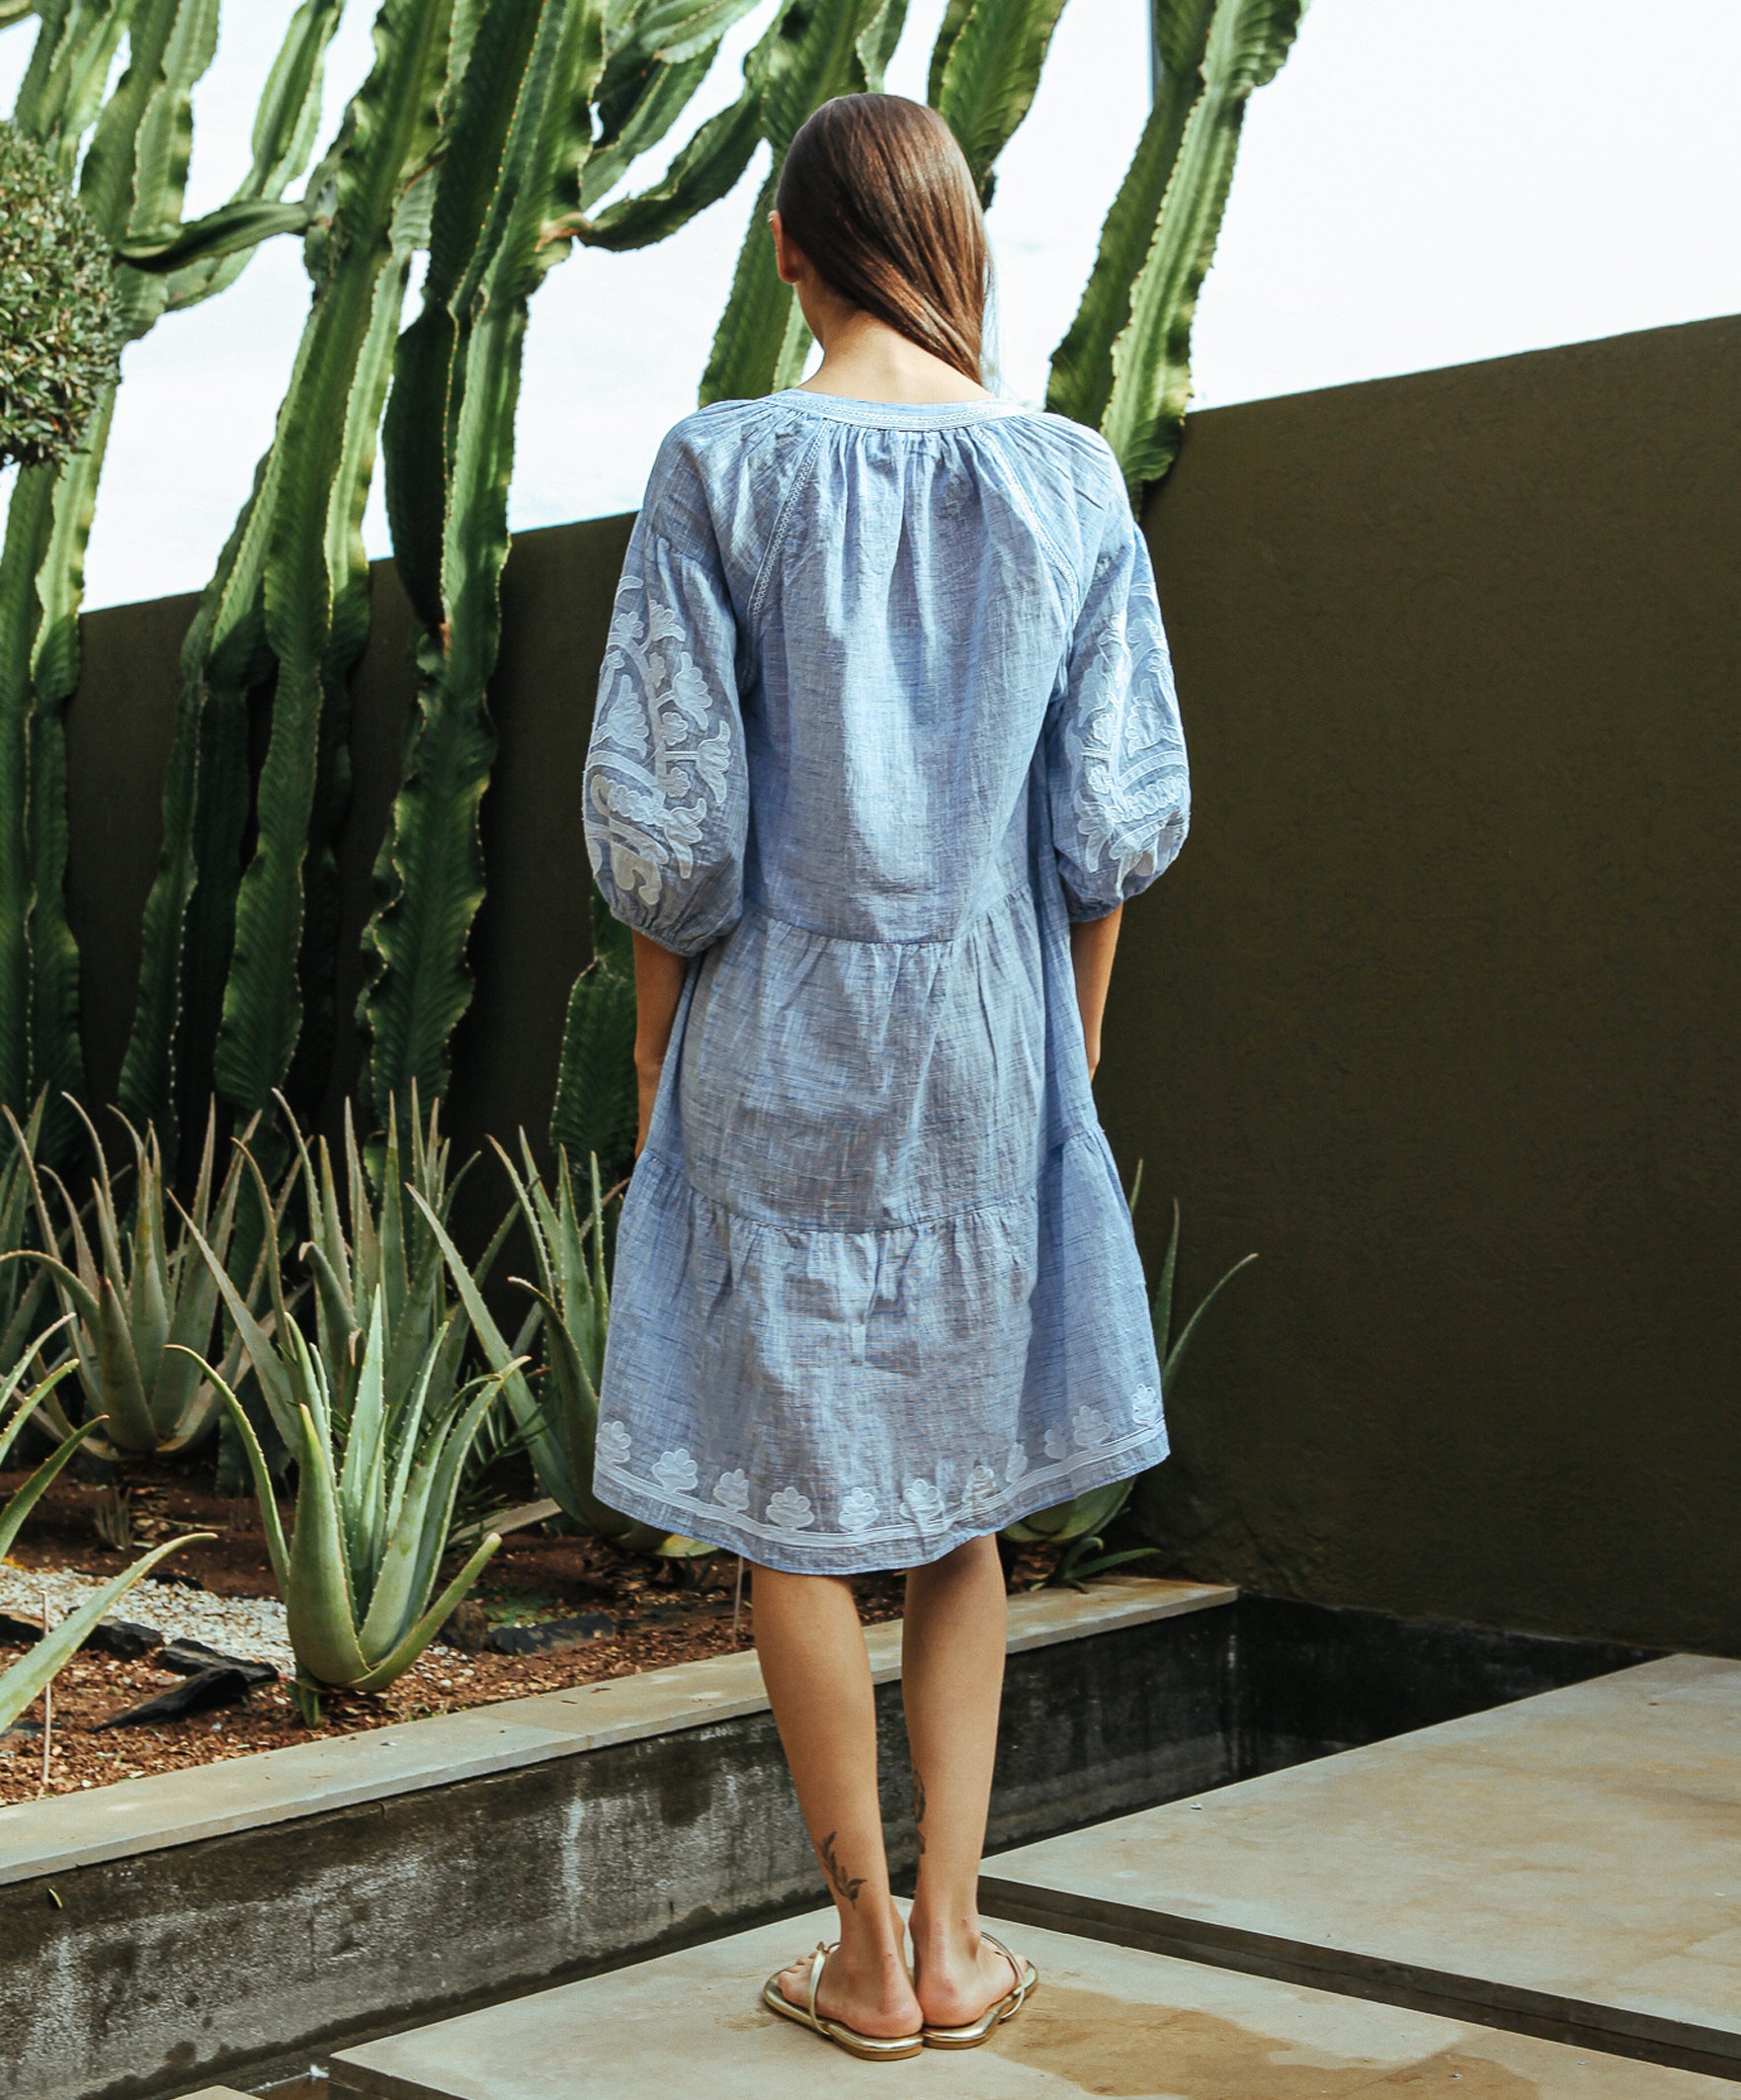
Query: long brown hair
877, 195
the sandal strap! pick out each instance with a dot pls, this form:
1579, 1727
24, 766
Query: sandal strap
1021, 1973
818, 1961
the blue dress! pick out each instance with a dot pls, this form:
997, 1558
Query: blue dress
886, 704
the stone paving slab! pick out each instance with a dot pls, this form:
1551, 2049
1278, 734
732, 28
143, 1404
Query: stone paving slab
69, 1830
1573, 1858
1105, 2020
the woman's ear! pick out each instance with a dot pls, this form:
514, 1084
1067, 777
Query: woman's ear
787, 259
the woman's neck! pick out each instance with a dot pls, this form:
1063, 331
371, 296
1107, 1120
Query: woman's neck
865, 360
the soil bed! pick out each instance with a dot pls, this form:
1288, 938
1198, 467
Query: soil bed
662, 1613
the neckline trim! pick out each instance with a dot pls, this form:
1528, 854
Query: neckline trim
899, 415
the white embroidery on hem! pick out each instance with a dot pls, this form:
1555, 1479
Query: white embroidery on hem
796, 1515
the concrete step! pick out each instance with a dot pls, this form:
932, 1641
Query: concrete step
1568, 1865
1106, 2019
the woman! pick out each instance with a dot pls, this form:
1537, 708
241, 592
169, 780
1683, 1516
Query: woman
886, 737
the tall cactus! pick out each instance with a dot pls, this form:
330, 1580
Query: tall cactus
375, 192
1124, 367
524, 163
132, 181
166, 1078
519, 134
812, 53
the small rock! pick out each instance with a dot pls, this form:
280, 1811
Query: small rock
21, 1730
466, 1628
173, 1579
187, 1657
125, 1638
548, 1636
194, 1695
20, 1633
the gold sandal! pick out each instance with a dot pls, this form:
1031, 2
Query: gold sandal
995, 2014
875, 2048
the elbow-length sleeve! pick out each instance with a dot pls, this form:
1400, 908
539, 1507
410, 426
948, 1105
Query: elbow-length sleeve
1119, 785
666, 788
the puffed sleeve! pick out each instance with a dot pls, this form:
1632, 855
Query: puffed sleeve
1119, 785
666, 790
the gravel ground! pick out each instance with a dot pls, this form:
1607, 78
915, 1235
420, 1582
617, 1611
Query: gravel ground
252, 1627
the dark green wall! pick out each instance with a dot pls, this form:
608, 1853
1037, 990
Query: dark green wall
1437, 1011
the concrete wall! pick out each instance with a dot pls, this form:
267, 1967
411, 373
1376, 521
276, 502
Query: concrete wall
1437, 1011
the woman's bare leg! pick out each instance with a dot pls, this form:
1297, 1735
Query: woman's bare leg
818, 1678
952, 1681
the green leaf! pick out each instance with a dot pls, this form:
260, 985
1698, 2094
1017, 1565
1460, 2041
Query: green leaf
270, 1519
25, 1499
397, 1663
318, 1605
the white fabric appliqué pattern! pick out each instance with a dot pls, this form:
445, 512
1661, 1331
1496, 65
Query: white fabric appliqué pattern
858, 1510
1113, 820
676, 1473
732, 1491
613, 1445
790, 1510
662, 755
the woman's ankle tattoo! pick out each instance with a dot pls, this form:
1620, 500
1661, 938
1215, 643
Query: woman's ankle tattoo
844, 1886
919, 1810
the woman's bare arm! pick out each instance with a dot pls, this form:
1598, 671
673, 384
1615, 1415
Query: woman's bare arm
658, 980
1092, 943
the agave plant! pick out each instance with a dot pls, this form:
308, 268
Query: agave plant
144, 1289
25, 1679
572, 1304
375, 1485
1078, 1525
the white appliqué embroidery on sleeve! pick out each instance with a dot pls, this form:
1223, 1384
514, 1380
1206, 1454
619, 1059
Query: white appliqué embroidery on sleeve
664, 750
1104, 749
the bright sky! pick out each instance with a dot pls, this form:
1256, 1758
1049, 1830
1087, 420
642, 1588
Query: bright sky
1427, 181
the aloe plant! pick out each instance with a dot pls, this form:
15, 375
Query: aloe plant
23, 1292
375, 1485
572, 1304
144, 1289
1124, 365
24, 1680
375, 1249
132, 183
1078, 1525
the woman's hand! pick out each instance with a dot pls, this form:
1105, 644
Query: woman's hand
1092, 943
658, 985
646, 1086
